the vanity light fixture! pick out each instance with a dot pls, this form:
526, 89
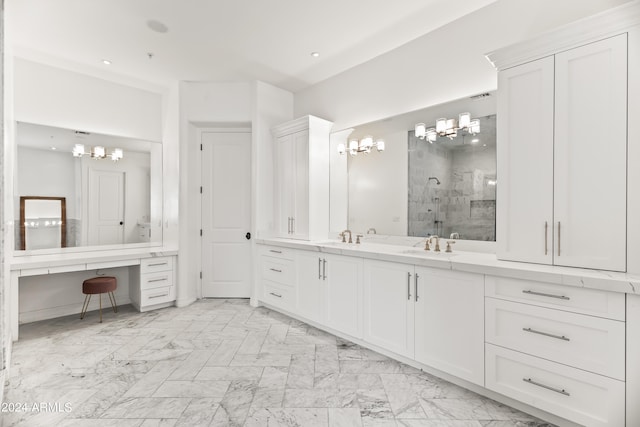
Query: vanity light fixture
448, 128
98, 152
363, 146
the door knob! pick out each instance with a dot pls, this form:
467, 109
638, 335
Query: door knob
121, 222
248, 236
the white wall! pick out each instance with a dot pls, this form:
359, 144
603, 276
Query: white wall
56, 97
446, 64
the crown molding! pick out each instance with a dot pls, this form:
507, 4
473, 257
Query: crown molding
605, 24
300, 124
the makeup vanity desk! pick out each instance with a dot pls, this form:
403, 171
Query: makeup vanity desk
152, 281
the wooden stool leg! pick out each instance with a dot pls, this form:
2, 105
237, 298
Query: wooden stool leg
85, 305
112, 298
100, 307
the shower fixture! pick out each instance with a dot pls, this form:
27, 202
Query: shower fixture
434, 179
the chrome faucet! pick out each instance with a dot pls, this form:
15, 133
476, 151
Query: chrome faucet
371, 231
437, 248
343, 235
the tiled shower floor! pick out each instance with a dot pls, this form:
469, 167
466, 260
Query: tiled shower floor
224, 363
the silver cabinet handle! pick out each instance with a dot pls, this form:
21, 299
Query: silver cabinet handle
158, 296
293, 225
164, 279
319, 268
276, 270
275, 295
158, 264
415, 289
409, 286
288, 225
546, 334
558, 238
275, 252
324, 269
557, 390
542, 294
546, 237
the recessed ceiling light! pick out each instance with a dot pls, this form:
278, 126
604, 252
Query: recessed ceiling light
315, 54
474, 140
484, 145
106, 62
53, 148
157, 26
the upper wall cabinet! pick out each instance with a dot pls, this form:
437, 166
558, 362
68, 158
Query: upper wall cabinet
562, 182
301, 161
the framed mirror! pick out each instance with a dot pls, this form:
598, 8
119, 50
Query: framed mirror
43, 222
111, 186
416, 187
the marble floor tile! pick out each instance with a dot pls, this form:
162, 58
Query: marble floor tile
223, 363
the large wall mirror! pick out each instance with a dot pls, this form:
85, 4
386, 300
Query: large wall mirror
416, 187
107, 189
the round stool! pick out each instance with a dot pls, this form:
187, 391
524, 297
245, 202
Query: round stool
99, 285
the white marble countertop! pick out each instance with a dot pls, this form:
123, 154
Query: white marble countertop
63, 258
472, 262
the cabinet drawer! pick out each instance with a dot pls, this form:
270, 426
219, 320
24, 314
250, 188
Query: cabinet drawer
157, 296
582, 397
578, 300
278, 252
156, 280
586, 342
278, 270
152, 265
279, 296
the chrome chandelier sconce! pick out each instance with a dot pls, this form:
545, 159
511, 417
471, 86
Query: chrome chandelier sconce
448, 128
363, 146
98, 152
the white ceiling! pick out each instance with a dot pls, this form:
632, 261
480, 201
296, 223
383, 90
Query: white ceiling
226, 40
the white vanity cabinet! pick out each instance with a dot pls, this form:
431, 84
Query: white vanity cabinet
152, 284
301, 165
329, 290
278, 277
559, 177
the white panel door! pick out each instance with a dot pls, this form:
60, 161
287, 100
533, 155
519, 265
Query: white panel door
226, 214
300, 213
525, 162
389, 306
449, 322
343, 293
284, 171
310, 273
106, 207
590, 156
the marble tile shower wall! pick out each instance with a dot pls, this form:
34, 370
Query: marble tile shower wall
463, 203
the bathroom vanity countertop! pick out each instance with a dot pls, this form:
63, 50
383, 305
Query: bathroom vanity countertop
61, 259
472, 262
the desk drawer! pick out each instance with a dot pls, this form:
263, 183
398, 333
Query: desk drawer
156, 280
278, 270
578, 300
157, 296
153, 265
586, 342
582, 397
278, 252
279, 296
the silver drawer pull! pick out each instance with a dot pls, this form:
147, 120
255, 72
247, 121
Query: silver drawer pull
541, 294
276, 270
275, 295
559, 337
159, 296
275, 252
164, 279
557, 390
158, 264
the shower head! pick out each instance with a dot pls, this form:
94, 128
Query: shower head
435, 179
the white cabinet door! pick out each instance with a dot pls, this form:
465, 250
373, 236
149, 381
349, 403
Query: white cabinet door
300, 196
590, 155
525, 162
343, 294
284, 170
310, 268
388, 306
449, 322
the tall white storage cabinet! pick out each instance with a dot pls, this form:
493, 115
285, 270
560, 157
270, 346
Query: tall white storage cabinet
561, 181
301, 163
